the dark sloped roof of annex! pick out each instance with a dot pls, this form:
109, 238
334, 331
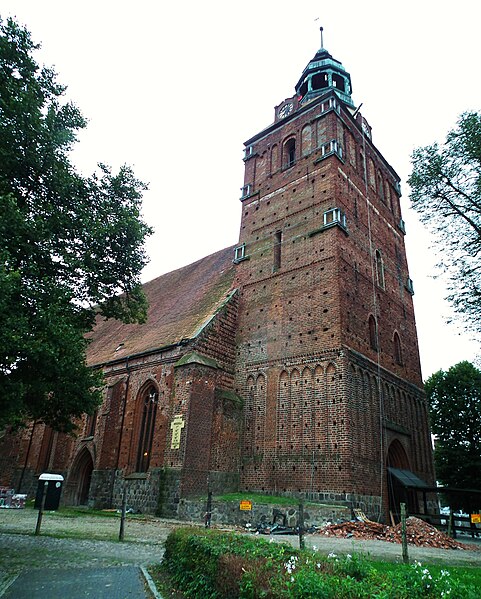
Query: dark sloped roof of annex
180, 303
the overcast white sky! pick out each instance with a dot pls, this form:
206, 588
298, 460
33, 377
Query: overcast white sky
175, 88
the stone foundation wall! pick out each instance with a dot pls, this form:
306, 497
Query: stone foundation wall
100, 493
228, 512
169, 492
142, 491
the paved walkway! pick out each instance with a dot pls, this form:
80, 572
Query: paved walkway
79, 583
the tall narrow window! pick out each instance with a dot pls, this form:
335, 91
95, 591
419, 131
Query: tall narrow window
380, 187
398, 358
372, 174
379, 269
289, 152
90, 424
149, 399
373, 333
277, 250
362, 166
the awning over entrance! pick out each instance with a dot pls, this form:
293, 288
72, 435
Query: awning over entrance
408, 479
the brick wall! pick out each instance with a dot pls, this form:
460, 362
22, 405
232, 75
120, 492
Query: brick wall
315, 420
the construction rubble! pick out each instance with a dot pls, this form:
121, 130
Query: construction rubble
418, 533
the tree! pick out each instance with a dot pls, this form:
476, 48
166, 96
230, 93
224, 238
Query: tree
455, 408
71, 247
446, 192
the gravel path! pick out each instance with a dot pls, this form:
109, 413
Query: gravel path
97, 543
388, 551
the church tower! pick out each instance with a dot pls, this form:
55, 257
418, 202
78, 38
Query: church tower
327, 354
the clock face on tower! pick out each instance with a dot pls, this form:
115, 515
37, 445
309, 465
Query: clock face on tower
285, 110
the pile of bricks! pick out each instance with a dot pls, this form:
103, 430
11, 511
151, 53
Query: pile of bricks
418, 533
422, 534
357, 530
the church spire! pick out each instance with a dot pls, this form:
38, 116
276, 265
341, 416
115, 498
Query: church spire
324, 73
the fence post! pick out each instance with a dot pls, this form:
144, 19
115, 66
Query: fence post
301, 524
208, 510
403, 534
40, 511
124, 511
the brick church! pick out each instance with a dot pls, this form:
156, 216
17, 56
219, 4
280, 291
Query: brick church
286, 364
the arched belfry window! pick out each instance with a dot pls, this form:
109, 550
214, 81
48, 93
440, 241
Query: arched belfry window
149, 400
338, 81
289, 152
373, 333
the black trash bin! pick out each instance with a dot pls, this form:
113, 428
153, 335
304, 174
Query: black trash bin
53, 482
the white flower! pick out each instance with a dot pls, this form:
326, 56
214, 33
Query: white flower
290, 565
314, 548
292, 578
318, 565
331, 555
348, 556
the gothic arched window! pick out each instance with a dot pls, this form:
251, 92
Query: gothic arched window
148, 406
290, 152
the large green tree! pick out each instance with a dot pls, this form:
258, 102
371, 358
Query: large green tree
71, 246
455, 409
446, 192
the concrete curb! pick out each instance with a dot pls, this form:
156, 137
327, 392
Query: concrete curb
150, 583
6, 585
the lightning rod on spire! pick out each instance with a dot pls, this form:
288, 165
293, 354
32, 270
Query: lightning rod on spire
321, 29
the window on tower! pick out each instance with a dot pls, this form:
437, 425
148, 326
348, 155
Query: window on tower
248, 152
245, 191
410, 286
380, 269
240, 253
328, 149
320, 81
380, 186
338, 81
335, 216
289, 154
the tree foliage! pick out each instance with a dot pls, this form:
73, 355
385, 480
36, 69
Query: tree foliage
455, 409
446, 192
71, 246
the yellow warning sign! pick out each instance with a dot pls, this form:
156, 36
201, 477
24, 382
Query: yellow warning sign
245, 505
476, 518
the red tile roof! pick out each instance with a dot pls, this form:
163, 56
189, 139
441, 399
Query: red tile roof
180, 302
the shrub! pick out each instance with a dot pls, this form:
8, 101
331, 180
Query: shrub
216, 565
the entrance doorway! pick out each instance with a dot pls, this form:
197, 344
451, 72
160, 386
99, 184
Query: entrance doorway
81, 477
397, 492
